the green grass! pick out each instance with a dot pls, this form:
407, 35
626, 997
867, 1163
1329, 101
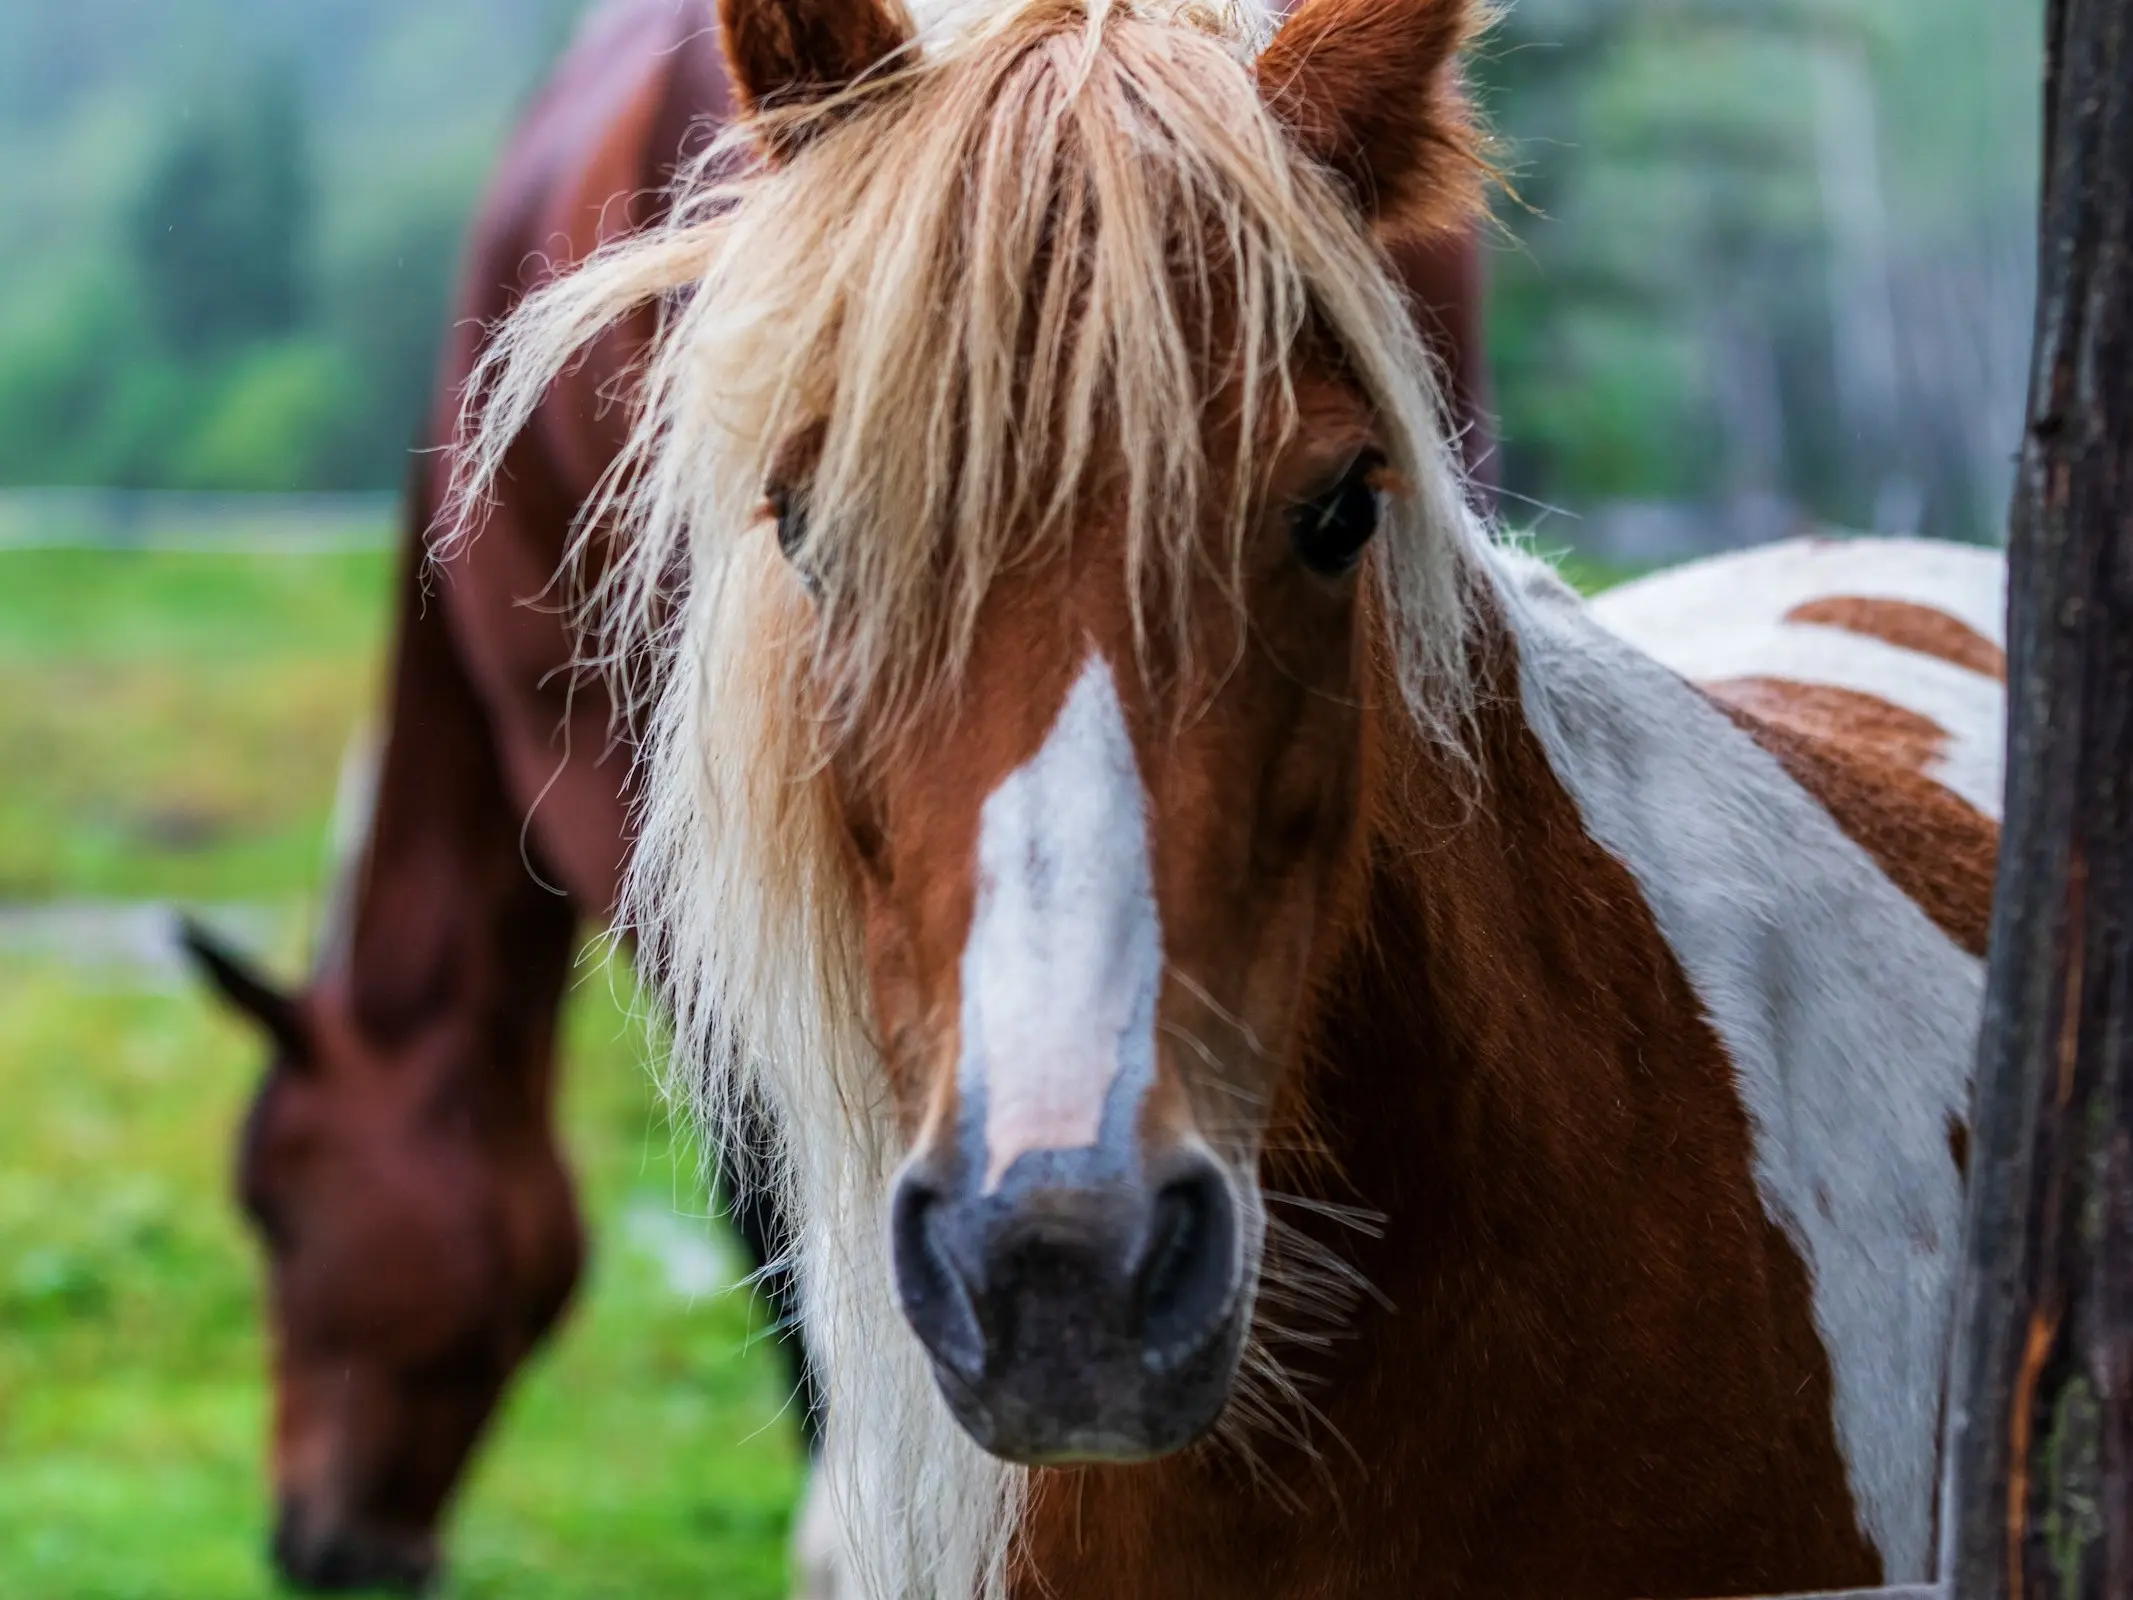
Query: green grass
171, 725
643, 1455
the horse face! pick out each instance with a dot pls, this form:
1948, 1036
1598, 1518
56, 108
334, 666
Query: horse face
417, 1247
1071, 759
1097, 878
1093, 887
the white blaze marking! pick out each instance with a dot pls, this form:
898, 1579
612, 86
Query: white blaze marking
1065, 955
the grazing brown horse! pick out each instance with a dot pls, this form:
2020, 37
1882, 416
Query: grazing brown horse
1171, 873
400, 1160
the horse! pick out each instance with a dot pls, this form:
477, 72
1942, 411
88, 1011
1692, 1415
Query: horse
1310, 1060
399, 1159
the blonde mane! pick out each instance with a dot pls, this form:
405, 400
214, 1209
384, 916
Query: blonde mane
1055, 229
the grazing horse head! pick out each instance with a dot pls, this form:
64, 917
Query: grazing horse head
1059, 477
418, 1242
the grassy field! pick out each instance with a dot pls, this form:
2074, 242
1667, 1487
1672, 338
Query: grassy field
170, 726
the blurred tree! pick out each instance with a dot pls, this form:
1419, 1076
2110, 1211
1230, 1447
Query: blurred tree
271, 421
1766, 252
384, 301
57, 375
220, 231
1768, 259
247, 294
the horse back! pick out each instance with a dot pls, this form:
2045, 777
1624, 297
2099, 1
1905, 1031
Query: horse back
1875, 672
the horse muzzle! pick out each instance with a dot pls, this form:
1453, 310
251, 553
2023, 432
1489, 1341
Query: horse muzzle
1075, 1312
324, 1555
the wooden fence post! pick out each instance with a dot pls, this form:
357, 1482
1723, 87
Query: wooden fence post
2039, 1449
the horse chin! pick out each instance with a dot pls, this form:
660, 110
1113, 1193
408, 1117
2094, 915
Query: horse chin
1115, 1410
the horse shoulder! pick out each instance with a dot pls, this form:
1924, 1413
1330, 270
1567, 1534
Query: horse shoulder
1784, 851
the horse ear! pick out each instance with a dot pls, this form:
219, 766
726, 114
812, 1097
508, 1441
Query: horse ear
795, 53
241, 984
1371, 90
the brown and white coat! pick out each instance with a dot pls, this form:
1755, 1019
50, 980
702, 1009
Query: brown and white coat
1043, 813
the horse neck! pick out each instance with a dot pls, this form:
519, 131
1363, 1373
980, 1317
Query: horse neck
1517, 1073
1500, 1027
1587, 1363
453, 952
446, 925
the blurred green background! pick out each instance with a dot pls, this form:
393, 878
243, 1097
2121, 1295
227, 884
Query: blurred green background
170, 726
1769, 262
1766, 259
1765, 263
228, 227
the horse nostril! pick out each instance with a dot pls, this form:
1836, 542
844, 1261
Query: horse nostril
1187, 1273
935, 1297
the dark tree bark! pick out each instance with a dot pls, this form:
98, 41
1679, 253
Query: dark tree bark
2039, 1499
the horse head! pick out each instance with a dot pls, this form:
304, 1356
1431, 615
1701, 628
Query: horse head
419, 1240
1063, 493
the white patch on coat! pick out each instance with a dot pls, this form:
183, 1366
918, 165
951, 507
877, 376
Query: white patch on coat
1725, 618
1064, 960
1849, 1018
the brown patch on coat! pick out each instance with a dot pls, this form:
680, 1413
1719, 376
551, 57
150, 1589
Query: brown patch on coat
1593, 1370
1864, 760
1875, 728
1908, 626
1959, 1146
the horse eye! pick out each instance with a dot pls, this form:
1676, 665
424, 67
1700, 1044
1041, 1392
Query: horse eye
792, 520
791, 512
1330, 531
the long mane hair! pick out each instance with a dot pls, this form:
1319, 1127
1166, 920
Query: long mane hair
1014, 267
